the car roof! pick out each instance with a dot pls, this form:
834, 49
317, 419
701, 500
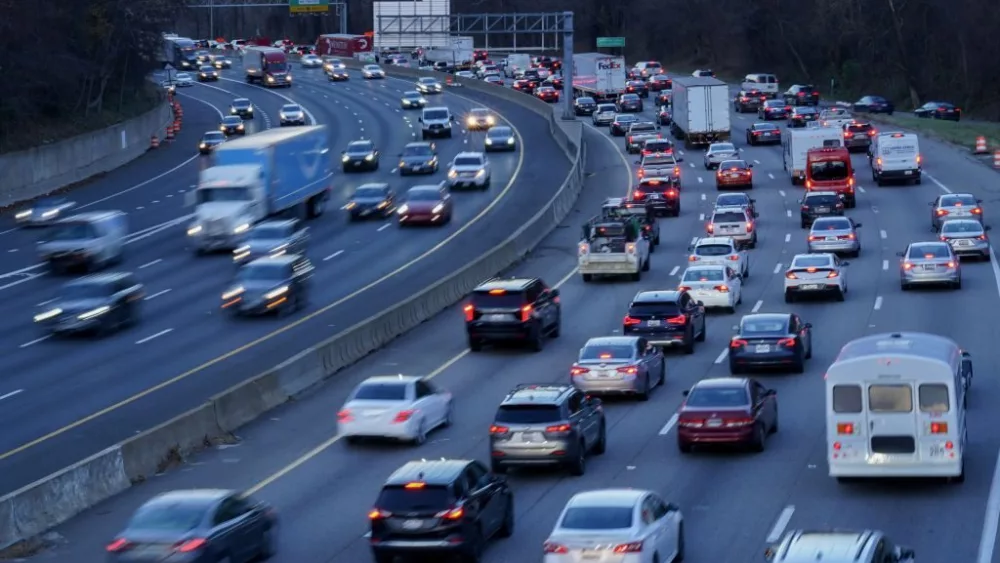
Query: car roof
782, 317
527, 394
285, 259
424, 188
508, 284
475, 154
612, 340
728, 209
665, 296
427, 79
190, 496
608, 497
928, 243
717, 382
715, 240
383, 379
957, 194
412, 93
361, 142
419, 144
823, 546
434, 472
820, 193
230, 118
499, 129
828, 255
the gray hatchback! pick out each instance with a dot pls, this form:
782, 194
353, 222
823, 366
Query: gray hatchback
929, 263
838, 235
547, 424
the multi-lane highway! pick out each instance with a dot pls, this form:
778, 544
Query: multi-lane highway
64, 399
733, 503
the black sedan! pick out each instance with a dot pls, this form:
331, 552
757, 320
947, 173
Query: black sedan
418, 158
197, 526
770, 340
500, 138
360, 156
232, 125
619, 127
939, 110
637, 87
799, 116
210, 140
874, 104
371, 200
585, 105
630, 103
763, 134
773, 109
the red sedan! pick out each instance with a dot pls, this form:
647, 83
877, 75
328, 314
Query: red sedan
734, 174
547, 94
428, 205
726, 410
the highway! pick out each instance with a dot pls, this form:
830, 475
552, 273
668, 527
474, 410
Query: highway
733, 503
64, 399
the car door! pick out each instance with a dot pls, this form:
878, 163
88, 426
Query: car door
802, 329
436, 399
735, 283
695, 310
654, 356
652, 529
230, 530
583, 417
483, 490
764, 404
664, 520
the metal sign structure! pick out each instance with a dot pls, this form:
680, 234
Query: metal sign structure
393, 28
435, 33
339, 7
308, 6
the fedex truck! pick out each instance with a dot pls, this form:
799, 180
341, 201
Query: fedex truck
599, 76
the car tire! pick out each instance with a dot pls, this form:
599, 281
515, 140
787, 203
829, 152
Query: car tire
644, 395
689, 343
646, 265
537, 342
839, 296
734, 368
789, 297
957, 285
578, 467
800, 364
602, 440
804, 224
759, 443
267, 545
703, 334
498, 468
475, 345
774, 428
663, 375
683, 447
506, 529
587, 278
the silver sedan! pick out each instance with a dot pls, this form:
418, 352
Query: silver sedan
955, 206
838, 235
43, 212
929, 263
718, 153
618, 365
967, 237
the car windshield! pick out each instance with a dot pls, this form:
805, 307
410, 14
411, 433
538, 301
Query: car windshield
241, 104
606, 352
811, 262
713, 250
71, 231
528, 414
825, 199
370, 192
412, 95
625, 118
468, 161
722, 147
436, 114
479, 113
262, 272
929, 251
832, 225
962, 227
232, 120
958, 201
372, 67
429, 81
423, 195
84, 291
704, 275
270, 232
214, 136
291, 108
223, 194
731, 200
754, 327
356, 148
828, 170
597, 518
499, 133
729, 217
380, 392
417, 150
720, 397
176, 517
207, 69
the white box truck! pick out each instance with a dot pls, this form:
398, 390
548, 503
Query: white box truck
700, 110
797, 142
599, 76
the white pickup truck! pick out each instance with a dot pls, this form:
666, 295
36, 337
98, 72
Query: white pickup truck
835, 117
613, 248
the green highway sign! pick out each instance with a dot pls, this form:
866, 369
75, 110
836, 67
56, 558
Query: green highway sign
609, 41
309, 6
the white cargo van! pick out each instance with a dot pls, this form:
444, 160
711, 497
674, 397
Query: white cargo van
895, 407
895, 157
766, 83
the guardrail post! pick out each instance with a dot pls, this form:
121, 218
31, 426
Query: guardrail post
567, 30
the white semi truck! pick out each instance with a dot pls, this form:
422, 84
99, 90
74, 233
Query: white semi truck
599, 76
700, 110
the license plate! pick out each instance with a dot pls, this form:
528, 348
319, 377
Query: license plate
734, 175
495, 318
929, 267
413, 524
357, 164
652, 323
937, 451
908, 173
822, 210
714, 422
767, 134
965, 243
809, 286
762, 348
590, 554
468, 174
828, 239
532, 437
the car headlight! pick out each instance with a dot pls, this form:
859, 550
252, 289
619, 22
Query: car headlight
270, 79
94, 313
403, 209
222, 128
422, 100
241, 228
471, 121
345, 158
370, 157
452, 174
382, 205
23, 214
510, 141
48, 315
481, 173
276, 293
491, 120
402, 164
194, 230
202, 146
235, 292
489, 141
233, 111
242, 249
240, 126
438, 208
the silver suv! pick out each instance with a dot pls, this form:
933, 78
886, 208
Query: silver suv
469, 169
547, 424
838, 546
733, 222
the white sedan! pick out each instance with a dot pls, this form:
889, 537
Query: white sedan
718, 153
372, 71
620, 525
397, 407
816, 274
720, 251
183, 80
717, 287
311, 61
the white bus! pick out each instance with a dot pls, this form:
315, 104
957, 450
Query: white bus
895, 407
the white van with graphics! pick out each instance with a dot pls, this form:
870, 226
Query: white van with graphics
895, 157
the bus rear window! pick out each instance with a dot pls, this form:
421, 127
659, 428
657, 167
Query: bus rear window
847, 398
890, 398
934, 398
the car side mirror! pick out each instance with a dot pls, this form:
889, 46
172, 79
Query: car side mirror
343, 152
752, 200
750, 165
554, 292
681, 159
807, 325
686, 392
756, 215
901, 254
857, 225
420, 120
931, 204
452, 118
701, 303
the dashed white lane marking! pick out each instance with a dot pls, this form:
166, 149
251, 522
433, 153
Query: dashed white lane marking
691, 164
157, 294
669, 425
680, 153
878, 303
153, 263
694, 240
988, 541
703, 197
757, 306
701, 217
44, 303
946, 190
154, 336
883, 234
384, 227
885, 264
701, 180
394, 170
722, 356
861, 190
18, 392
788, 212
334, 255
673, 272
12, 250
769, 175
756, 161
788, 237
35, 341
777, 267
780, 524
781, 193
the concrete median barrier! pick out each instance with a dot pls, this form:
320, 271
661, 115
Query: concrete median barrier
159, 448
38, 171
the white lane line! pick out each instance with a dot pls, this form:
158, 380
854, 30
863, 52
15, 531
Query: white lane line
988, 541
35, 341
757, 306
334, 255
157, 335
722, 356
701, 216
777, 267
878, 303
788, 212
769, 175
44, 303
946, 190
861, 190
704, 197
157, 294
691, 164
19, 391
701, 180
781, 193
788, 237
153, 263
885, 264
666, 427
680, 153
883, 234
394, 170
756, 161
384, 227
673, 272
694, 241
780, 524
12, 250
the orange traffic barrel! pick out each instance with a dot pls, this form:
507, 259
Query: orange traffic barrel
981, 145
154, 142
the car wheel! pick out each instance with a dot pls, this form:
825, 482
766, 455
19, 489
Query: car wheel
704, 332
734, 368
602, 440
840, 295
267, 545
759, 439
498, 468
804, 224
663, 375
800, 364
421, 436
689, 343
537, 341
958, 284
475, 345
683, 447
789, 297
507, 528
774, 427
578, 466
644, 395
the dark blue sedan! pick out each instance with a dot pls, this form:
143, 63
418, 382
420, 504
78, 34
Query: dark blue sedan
939, 110
874, 104
770, 340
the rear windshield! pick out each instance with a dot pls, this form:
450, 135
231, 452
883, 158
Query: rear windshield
823, 199
774, 104
934, 397
961, 227
828, 170
729, 217
176, 517
847, 398
528, 414
713, 250
381, 392
597, 518
401, 499
929, 250
509, 300
958, 201
609, 352
657, 145
423, 195
658, 161
752, 326
642, 127
654, 310
704, 275
858, 128
890, 398
731, 201
607, 231
811, 262
606, 107
832, 225
468, 161
717, 397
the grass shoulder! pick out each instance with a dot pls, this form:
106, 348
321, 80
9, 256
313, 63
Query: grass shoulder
962, 133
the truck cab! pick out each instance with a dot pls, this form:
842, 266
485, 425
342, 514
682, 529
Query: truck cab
829, 169
228, 201
267, 65
613, 247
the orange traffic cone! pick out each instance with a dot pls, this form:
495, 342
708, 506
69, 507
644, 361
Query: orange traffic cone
154, 142
179, 112
996, 159
170, 132
981, 145
177, 125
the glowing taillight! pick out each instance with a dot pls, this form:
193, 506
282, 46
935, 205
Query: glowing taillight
453, 514
638, 194
878, 161
787, 342
683, 288
749, 226
919, 159
677, 170
631, 547
737, 343
836, 446
848, 134
378, 514
942, 212
733, 257
722, 288
832, 275
845, 428
809, 184
939, 428
814, 238
791, 276
693, 258
526, 313
549, 547
805, 208
631, 370
470, 313
907, 266
710, 228
631, 321
977, 211
190, 545
344, 416
678, 320
951, 264
496, 429
403, 416
558, 429
578, 371
117, 546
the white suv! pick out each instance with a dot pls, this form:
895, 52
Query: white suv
816, 274
469, 170
734, 222
720, 251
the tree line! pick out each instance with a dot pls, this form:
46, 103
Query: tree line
73, 66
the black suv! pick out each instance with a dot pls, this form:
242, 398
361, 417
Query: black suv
858, 135
802, 95
820, 204
666, 318
440, 507
547, 424
512, 310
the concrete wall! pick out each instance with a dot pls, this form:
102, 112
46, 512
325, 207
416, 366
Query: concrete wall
41, 170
